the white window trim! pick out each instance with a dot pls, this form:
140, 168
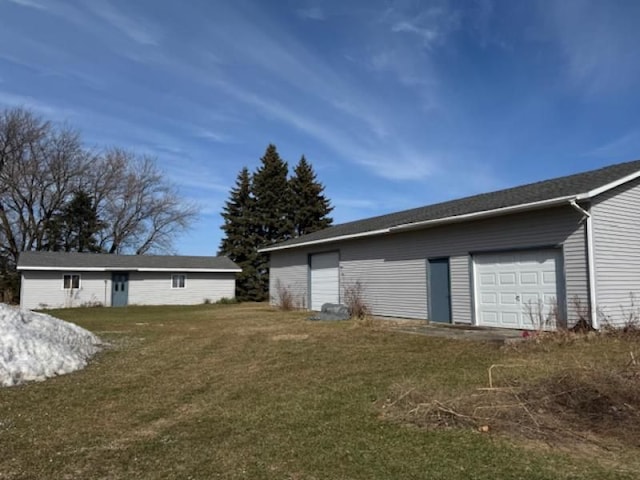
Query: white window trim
72, 275
179, 275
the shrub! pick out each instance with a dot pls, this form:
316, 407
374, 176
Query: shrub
225, 301
285, 299
355, 302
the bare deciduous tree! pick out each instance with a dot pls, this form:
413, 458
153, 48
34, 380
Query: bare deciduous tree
42, 168
144, 212
44, 165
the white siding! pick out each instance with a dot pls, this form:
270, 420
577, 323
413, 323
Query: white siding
616, 242
290, 272
154, 288
392, 268
44, 290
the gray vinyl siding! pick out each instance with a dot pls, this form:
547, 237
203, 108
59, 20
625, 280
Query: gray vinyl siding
154, 288
392, 268
616, 241
290, 272
43, 289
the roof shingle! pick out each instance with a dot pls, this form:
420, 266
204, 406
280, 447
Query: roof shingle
109, 261
534, 192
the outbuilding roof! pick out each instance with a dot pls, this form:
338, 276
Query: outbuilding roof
106, 262
547, 193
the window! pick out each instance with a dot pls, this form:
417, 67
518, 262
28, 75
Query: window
178, 281
70, 281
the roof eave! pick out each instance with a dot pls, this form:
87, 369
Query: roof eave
325, 240
609, 186
128, 269
433, 223
485, 214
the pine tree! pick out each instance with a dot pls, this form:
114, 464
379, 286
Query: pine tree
239, 243
310, 208
273, 216
74, 227
266, 208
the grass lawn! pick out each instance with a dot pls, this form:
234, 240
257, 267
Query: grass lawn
245, 391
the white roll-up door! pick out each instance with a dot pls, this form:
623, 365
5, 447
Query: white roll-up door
325, 279
517, 289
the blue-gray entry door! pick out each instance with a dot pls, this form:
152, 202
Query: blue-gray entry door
439, 291
119, 289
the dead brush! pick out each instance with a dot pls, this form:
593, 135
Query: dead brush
585, 405
355, 302
285, 298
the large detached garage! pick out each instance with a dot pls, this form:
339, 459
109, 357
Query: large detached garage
541, 255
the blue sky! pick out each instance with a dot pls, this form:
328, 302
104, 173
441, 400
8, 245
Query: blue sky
397, 104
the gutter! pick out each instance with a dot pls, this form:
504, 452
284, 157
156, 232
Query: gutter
484, 214
593, 305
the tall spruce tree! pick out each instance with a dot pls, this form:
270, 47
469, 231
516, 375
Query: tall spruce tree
75, 227
273, 217
266, 208
309, 207
239, 243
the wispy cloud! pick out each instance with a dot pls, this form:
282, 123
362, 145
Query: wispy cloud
431, 24
360, 203
140, 31
390, 160
10, 99
29, 4
598, 41
211, 136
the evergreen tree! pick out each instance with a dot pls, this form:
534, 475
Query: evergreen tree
273, 216
75, 226
239, 243
266, 208
309, 207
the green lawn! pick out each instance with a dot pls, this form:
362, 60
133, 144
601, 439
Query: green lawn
245, 391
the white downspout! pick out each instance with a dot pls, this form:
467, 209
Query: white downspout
593, 306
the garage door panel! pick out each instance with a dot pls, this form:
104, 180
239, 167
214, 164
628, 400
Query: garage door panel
507, 278
529, 278
533, 298
508, 298
488, 279
525, 280
490, 318
509, 319
489, 299
549, 278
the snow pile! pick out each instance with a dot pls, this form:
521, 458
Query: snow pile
35, 346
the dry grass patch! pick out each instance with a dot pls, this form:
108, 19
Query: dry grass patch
572, 392
248, 391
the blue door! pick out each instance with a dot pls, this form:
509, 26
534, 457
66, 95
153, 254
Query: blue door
439, 291
119, 289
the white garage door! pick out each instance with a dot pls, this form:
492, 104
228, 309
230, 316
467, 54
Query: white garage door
325, 279
517, 289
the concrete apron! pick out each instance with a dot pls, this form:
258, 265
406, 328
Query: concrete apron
457, 332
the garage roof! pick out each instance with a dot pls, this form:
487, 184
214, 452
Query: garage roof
104, 262
542, 194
